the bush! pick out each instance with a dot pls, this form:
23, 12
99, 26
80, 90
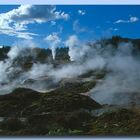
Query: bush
12, 124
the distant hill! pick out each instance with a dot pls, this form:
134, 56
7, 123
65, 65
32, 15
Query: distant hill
42, 54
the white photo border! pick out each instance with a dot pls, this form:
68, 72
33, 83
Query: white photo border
71, 2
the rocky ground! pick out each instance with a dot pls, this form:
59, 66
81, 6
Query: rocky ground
67, 109
64, 112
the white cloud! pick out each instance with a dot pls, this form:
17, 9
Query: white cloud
15, 22
133, 19
113, 29
130, 20
18, 34
77, 28
52, 37
81, 12
53, 23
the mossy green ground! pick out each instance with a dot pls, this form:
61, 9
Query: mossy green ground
62, 114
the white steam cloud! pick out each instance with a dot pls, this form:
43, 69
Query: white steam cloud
122, 82
119, 86
53, 40
77, 49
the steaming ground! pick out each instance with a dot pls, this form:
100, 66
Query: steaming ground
120, 84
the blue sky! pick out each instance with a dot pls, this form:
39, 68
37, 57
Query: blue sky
86, 22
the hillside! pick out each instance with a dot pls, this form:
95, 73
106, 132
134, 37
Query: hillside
97, 93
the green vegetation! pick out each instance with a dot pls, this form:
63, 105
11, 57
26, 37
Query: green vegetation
52, 113
3, 52
12, 124
121, 122
64, 111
